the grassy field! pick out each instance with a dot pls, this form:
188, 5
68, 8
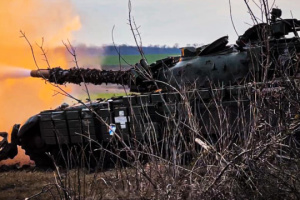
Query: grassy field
131, 59
106, 95
95, 96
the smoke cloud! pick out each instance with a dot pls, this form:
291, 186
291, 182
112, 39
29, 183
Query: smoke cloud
52, 20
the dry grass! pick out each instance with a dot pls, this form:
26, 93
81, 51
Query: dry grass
22, 184
111, 184
43, 185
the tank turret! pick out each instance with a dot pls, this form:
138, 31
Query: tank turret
215, 63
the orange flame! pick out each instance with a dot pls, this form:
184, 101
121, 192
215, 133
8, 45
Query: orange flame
54, 20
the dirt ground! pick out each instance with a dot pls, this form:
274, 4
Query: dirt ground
36, 184
23, 184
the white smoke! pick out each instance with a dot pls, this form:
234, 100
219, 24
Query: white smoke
13, 72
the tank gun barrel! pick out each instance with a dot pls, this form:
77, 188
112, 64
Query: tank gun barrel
79, 75
40, 73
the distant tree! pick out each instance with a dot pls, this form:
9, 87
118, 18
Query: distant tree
176, 45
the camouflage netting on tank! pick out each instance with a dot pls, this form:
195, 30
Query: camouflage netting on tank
93, 76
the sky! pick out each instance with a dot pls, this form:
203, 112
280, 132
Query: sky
166, 22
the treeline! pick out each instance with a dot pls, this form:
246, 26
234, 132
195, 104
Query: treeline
124, 50
132, 50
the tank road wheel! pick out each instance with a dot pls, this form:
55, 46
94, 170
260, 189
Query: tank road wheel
33, 144
40, 159
36, 149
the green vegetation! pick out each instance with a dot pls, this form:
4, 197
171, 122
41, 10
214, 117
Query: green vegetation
95, 96
106, 95
131, 59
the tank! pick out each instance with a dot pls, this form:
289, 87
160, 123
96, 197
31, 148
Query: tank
218, 72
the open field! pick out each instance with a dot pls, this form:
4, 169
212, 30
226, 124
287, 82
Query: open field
130, 59
112, 61
95, 96
106, 95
